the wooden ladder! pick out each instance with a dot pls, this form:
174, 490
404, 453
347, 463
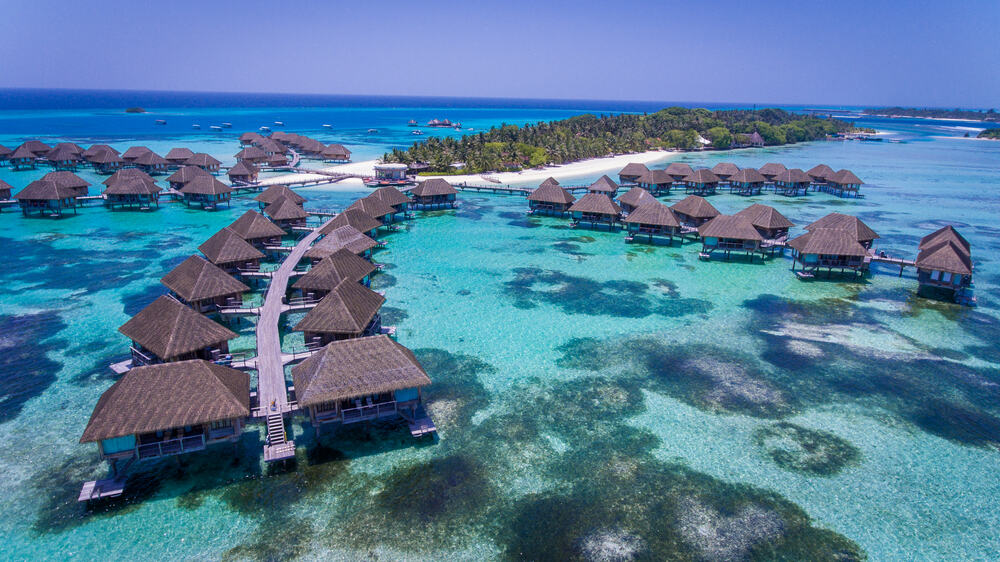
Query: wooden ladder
275, 429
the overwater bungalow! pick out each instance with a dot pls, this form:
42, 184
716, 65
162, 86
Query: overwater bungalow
771, 169
433, 193
106, 162
678, 171
630, 174
5, 191
206, 192
549, 181
65, 156
772, 225
843, 183
694, 211
74, 183
852, 225
820, 173
604, 185
132, 192
277, 161
246, 139
166, 409
185, 174
251, 155
356, 218
393, 197
151, 163
331, 271
177, 156
634, 198
47, 198
23, 159
37, 147
657, 182
944, 263
286, 214
351, 310
828, 248
96, 149
275, 192
5, 155
271, 147
727, 234
257, 230
204, 161
230, 252
345, 236
653, 219
243, 173
134, 152
701, 182
336, 153
359, 380
747, 181
128, 174
550, 199
375, 208
203, 286
595, 209
167, 331
725, 170
792, 182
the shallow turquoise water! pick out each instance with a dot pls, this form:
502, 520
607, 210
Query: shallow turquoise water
592, 397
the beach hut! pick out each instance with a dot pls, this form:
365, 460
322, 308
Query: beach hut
203, 161
772, 225
64, 156
678, 171
550, 199
819, 173
433, 193
725, 170
66, 179
167, 331
243, 173
727, 234
134, 152
747, 181
770, 170
604, 185
701, 182
356, 218
694, 211
331, 271
185, 174
5, 191
36, 147
629, 175
843, 183
251, 155
391, 171
177, 156
5, 155
375, 208
852, 225
393, 197
275, 192
257, 230
792, 182
657, 182
206, 192
634, 198
336, 153
944, 263
106, 161
166, 409
23, 159
203, 286
345, 236
132, 192
653, 219
230, 252
362, 379
286, 214
756, 140
595, 209
828, 248
351, 310
151, 163
45, 197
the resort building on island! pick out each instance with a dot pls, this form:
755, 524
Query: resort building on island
944, 263
432, 194
243, 173
356, 218
36, 147
725, 170
203, 286
336, 153
694, 211
251, 155
830, 249
177, 156
65, 156
22, 159
630, 174
246, 139
858, 230
151, 163
604, 185
701, 182
167, 331
96, 149
206, 192
634, 198
657, 182
792, 182
394, 172
771, 170
820, 173
346, 237
595, 209
550, 199
47, 198
331, 271
134, 152
727, 234
132, 192
203, 161
678, 171
843, 183
275, 192
68, 180
375, 208
653, 219
393, 197
106, 161
286, 214
230, 252
256, 229
772, 225
350, 310
185, 174
362, 379
747, 181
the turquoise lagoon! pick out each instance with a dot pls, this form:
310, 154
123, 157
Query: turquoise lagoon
595, 399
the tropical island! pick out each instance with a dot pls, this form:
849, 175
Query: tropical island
135, 110
512, 148
989, 115
993, 133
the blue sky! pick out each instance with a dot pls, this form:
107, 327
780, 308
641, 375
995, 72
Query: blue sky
845, 52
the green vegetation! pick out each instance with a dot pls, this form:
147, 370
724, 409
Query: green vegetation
993, 133
510, 148
934, 113
135, 110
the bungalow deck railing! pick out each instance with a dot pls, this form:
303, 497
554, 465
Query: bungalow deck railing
171, 447
735, 245
368, 412
142, 358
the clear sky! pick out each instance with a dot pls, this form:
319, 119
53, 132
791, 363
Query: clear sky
831, 52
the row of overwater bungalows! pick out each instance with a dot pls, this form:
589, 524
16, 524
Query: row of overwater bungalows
102, 158
746, 181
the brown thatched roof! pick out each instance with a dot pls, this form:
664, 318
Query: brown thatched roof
390, 196
342, 265
37, 147
820, 172
635, 197
62, 153
169, 395
4, 186
845, 177
772, 169
653, 213
186, 174
725, 169
597, 203
67, 179
251, 136
656, 177
436, 186
551, 193
342, 237
105, 157
373, 207
251, 152
129, 174
604, 184
947, 233
134, 152
96, 149
859, 230
678, 170
336, 150
44, 190
633, 170
275, 192
179, 154
132, 186
352, 217
5, 152
747, 175
549, 181
150, 159
945, 256
764, 216
23, 152
792, 175
695, 207
253, 226
196, 279
225, 246
202, 159
701, 175
356, 367
285, 209
205, 185
169, 329
828, 241
729, 226
242, 168
348, 309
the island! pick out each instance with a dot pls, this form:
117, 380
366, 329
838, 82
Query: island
135, 110
993, 134
989, 115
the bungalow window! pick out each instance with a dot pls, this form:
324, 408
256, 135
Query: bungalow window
935, 275
222, 424
946, 277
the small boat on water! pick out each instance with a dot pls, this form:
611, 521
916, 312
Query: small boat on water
161, 121
196, 126
327, 126
372, 130
215, 127
416, 132
264, 129
279, 123
227, 125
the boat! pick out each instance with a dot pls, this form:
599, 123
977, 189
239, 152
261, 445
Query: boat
264, 129
372, 130
279, 123
416, 132
227, 125
412, 123
196, 126
327, 126
161, 121
215, 127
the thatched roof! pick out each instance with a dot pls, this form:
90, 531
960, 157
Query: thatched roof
820, 172
436, 186
275, 192
186, 174
550, 181
845, 177
352, 217
127, 175
105, 157
551, 193
336, 150
596, 203
62, 153
792, 175
701, 175
169, 329
253, 226
356, 367
678, 170
747, 175
947, 233
373, 207
67, 179
202, 159
44, 190
196, 279
656, 177
653, 213
390, 196
37, 147
132, 186
268, 145
853, 225
633, 169
342, 265
764, 216
168, 395
284, 210
604, 184
695, 207
251, 152
5, 152
96, 149
134, 152
4, 186
828, 241
225, 246
755, 138
179, 154
342, 237
242, 168
205, 185
348, 309
725, 169
772, 169
729, 226
23, 152
150, 159
250, 136
635, 197
946, 256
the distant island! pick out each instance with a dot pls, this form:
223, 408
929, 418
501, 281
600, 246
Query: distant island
993, 133
989, 115
135, 110
512, 148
